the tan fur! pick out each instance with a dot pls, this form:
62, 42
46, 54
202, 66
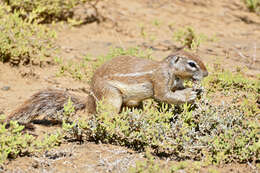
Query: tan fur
124, 80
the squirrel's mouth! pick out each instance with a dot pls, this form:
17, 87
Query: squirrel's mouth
195, 80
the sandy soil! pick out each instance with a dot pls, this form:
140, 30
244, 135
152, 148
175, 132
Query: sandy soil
237, 45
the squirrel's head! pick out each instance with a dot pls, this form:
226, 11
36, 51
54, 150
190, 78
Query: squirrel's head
187, 66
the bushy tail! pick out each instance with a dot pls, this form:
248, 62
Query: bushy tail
49, 102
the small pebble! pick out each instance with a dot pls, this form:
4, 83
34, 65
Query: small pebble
5, 88
108, 43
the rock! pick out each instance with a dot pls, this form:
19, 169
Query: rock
5, 88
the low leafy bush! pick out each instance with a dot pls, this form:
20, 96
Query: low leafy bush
227, 81
253, 5
188, 38
220, 134
46, 11
23, 41
14, 142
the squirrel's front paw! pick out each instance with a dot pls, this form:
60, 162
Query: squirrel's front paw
190, 95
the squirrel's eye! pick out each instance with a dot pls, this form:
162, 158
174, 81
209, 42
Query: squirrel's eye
192, 64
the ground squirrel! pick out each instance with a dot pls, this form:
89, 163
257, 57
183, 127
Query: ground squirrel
124, 80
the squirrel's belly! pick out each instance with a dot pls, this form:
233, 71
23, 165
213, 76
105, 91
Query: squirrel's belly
136, 92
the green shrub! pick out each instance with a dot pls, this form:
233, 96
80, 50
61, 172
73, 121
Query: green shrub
220, 134
188, 38
46, 11
227, 81
253, 5
23, 40
14, 142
